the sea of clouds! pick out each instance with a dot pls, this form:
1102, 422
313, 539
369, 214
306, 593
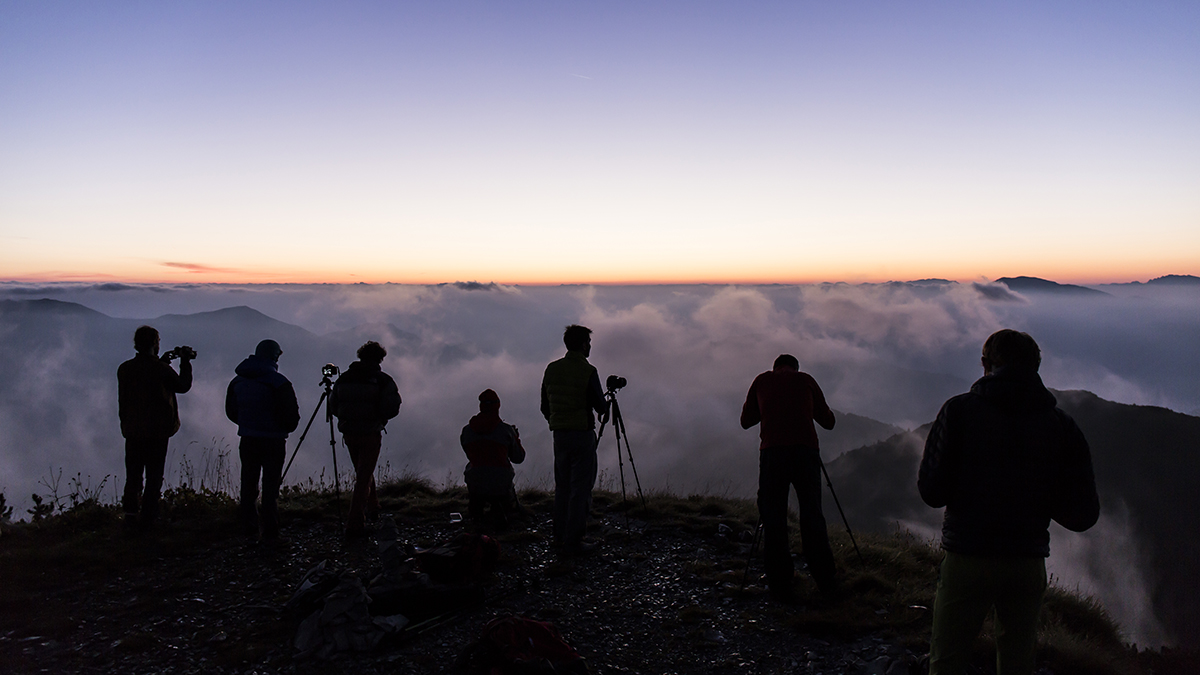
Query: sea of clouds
891, 352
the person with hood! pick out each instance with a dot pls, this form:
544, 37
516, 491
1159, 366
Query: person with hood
262, 402
1004, 461
785, 401
570, 393
492, 447
364, 398
149, 412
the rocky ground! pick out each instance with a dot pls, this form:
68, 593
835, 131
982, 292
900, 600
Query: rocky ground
663, 595
655, 598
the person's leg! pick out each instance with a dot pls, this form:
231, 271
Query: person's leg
1018, 604
813, 531
773, 482
156, 462
135, 463
964, 597
562, 485
364, 453
273, 454
583, 478
475, 504
251, 456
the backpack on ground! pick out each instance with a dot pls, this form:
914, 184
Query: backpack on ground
465, 558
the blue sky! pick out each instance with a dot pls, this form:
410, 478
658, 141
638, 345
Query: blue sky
598, 142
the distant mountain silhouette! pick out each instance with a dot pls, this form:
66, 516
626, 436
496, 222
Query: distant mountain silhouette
1036, 285
1147, 459
1175, 280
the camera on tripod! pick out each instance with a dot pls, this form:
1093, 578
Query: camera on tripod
329, 370
615, 382
185, 352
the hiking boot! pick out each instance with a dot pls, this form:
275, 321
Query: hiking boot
581, 549
275, 542
786, 595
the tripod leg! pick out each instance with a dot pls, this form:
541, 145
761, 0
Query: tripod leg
337, 483
619, 427
750, 555
839, 508
301, 441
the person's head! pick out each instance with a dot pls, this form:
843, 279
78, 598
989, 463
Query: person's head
1010, 349
269, 350
489, 401
372, 352
145, 340
578, 339
786, 362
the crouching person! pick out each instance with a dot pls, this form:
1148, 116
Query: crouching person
492, 448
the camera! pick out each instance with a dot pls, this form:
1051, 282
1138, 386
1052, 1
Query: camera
185, 352
615, 382
329, 370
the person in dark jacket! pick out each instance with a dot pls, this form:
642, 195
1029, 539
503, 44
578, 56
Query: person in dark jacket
492, 448
1004, 461
570, 393
149, 412
364, 398
262, 402
786, 402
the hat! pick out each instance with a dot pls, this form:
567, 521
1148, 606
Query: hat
268, 349
489, 400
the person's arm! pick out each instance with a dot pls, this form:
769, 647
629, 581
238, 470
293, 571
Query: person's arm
1076, 503
516, 452
933, 479
750, 412
389, 400
289, 408
821, 413
595, 395
545, 401
184, 382
231, 406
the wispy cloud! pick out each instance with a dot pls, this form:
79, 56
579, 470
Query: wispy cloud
197, 268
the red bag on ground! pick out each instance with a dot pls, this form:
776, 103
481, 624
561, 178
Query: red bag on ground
516, 645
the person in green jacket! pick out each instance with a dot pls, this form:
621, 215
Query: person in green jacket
570, 394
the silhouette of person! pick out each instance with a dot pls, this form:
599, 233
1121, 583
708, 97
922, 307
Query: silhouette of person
364, 398
492, 447
262, 402
570, 393
786, 402
149, 412
1004, 461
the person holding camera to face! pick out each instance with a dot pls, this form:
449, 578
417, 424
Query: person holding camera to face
262, 402
364, 398
570, 393
149, 412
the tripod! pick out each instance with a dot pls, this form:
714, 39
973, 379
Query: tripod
328, 372
618, 424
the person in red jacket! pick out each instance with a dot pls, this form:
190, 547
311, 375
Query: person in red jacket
492, 448
786, 402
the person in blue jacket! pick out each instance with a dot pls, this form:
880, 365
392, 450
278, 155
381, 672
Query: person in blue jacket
262, 402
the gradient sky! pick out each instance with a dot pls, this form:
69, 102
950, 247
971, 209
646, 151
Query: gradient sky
530, 142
